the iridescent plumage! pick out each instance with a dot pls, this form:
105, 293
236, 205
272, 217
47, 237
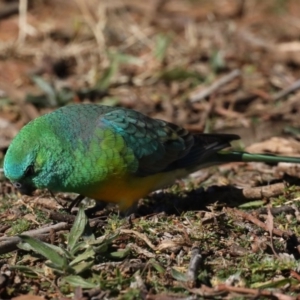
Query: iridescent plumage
112, 154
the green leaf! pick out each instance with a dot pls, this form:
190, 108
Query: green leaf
64, 96
104, 82
29, 271
120, 254
83, 266
178, 275
161, 46
47, 89
101, 249
87, 255
253, 204
105, 241
179, 74
217, 61
25, 247
45, 250
77, 281
59, 271
77, 229
60, 251
295, 131
157, 266
126, 59
273, 283
79, 247
110, 101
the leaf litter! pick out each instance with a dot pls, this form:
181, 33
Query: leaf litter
213, 66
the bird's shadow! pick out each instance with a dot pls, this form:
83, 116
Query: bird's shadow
194, 200
200, 198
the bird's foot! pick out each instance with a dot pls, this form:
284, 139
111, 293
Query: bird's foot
75, 203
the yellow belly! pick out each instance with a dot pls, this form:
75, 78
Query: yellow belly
127, 190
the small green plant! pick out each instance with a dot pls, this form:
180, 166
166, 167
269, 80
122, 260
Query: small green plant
19, 226
50, 97
72, 261
162, 43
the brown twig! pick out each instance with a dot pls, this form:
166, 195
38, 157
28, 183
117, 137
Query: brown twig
59, 217
93, 293
107, 265
140, 250
256, 292
96, 21
8, 244
215, 86
141, 236
194, 265
270, 227
295, 275
277, 210
292, 88
23, 7
261, 192
258, 223
11, 243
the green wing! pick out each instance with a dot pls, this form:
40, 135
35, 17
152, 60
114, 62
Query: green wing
160, 146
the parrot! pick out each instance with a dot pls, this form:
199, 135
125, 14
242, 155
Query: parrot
113, 154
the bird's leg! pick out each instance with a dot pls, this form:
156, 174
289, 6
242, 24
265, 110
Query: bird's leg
53, 196
100, 205
75, 202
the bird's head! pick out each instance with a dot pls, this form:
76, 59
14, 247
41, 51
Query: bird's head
19, 168
27, 160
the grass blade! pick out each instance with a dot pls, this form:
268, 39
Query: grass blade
45, 250
77, 229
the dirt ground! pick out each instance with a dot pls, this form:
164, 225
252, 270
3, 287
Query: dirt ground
228, 232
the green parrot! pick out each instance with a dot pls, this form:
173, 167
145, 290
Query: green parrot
112, 154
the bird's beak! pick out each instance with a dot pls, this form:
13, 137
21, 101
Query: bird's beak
24, 189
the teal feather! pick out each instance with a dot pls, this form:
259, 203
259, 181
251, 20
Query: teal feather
81, 145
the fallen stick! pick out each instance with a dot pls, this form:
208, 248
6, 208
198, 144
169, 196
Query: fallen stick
260, 192
8, 244
277, 210
141, 236
215, 86
258, 223
292, 88
255, 292
194, 266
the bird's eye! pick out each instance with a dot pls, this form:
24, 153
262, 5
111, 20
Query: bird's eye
29, 171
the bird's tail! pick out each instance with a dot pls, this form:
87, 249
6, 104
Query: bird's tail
223, 157
208, 151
